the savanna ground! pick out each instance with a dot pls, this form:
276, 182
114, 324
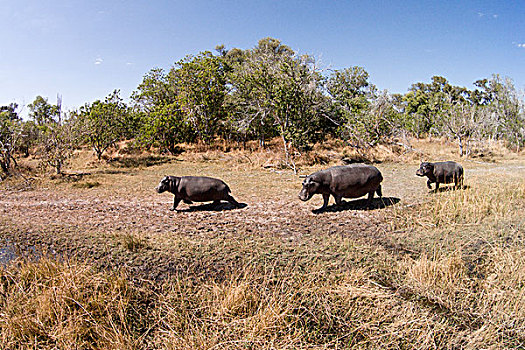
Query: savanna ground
102, 263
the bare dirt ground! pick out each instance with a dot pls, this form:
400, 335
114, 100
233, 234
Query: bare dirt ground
113, 217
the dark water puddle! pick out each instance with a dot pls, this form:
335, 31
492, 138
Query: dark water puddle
10, 251
7, 253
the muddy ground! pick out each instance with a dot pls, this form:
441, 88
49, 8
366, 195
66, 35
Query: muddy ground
112, 217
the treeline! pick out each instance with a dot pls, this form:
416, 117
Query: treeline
258, 94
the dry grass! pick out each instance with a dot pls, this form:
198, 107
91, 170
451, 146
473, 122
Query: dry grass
472, 264
131, 241
66, 305
258, 305
292, 309
469, 206
436, 271
490, 302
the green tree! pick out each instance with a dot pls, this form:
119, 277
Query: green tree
42, 112
253, 79
56, 144
162, 121
352, 95
427, 105
276, 93
165, 127
201, 89
104, 122
156, 89
297, 104
10, 132
28, 137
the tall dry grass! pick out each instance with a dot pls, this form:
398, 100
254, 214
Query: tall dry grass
490, 303
454, 218
294, 312
472, 265
434, 303
66, 305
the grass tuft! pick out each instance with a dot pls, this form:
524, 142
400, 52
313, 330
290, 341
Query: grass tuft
132, 241
87, 184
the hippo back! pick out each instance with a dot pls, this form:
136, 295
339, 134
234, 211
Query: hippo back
446, 172
448, 167
202, 188
355, 180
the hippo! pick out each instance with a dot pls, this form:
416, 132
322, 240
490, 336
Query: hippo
346, 181
196, 188
441, 172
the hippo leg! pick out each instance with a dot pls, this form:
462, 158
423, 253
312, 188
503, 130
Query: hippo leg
338, 200
379, 192
429, 184
326, 197
437, 186
216, 202
458, 182
369, 200
233, 201
176, 202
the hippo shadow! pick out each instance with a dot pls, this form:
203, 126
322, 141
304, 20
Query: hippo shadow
449, 188
360, 204
223, 206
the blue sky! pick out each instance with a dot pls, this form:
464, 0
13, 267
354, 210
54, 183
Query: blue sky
83, 50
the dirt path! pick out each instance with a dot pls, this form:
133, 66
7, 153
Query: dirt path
86, 225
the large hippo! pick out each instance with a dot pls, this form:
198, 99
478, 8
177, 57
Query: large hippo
441, 172
196, 188
347, 181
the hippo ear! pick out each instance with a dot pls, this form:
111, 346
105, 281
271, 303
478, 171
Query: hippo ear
310, 180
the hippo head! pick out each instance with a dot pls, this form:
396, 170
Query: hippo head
164, 185
310, 187
425, 169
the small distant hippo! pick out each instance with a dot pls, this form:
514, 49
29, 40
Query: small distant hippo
196, 188
348, 181
441, 172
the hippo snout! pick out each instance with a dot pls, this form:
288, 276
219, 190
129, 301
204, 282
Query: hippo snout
420, 172
160, 189
304, 195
